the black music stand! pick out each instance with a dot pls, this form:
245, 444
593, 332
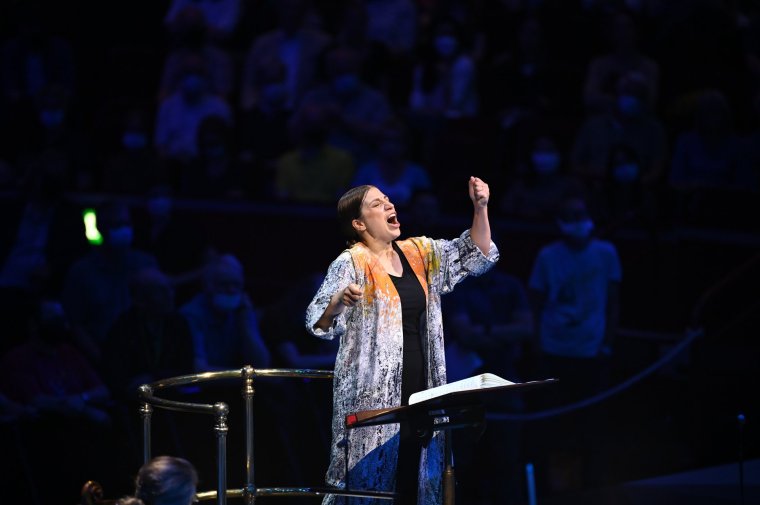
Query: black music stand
460, 409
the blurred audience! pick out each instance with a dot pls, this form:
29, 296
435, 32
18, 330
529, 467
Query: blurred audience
391, 170
263, 134
134, 164
35, 58
624, 58
215, 172
297, 45
150, 340
48, 375
96, 289
489, 316
540, 184
315, 171
181, 114
357, 111
444, 83
220, 16
192, 43
631, 122
223, 321
574, 288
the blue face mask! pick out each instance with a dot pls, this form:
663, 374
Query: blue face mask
446, 45
545, 162
346, 84
121, 236
629, 105
193, 86
576, 229
159, 206
227, 302
50, 118
626, 172
134, 140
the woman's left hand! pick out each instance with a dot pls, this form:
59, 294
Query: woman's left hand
479, 192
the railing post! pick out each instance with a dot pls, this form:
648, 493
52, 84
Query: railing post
221, 451
248, 392
146, 411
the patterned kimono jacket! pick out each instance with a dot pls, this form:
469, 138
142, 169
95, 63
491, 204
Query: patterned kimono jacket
368, 365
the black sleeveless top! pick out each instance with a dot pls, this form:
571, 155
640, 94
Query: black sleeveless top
413, 307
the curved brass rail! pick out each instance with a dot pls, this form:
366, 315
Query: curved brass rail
220, 410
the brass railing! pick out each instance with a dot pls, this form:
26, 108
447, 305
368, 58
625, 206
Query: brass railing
220, 410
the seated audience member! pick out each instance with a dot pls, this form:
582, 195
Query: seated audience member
181, 114
392, 171
179, 248
96, 289
295, 44
49, 375
358, 111
220, 16
34, 58
215, 172
623, 58
65, 408
263, 134
192, 41
134, 165
150, 341
444, 83
541, 185
632, 123
315, 171
44, 233
223, 322
164, 480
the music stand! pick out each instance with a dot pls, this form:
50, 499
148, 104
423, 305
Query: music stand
459, 409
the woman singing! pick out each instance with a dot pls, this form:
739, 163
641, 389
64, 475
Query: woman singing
381, 297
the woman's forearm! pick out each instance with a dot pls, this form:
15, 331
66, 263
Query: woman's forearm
481, 229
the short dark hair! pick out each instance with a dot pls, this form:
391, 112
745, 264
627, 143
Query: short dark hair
350, 208
166, 480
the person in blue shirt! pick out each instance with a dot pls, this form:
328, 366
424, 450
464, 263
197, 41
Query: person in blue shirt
223, 322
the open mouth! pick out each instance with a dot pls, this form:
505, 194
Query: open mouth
392, 220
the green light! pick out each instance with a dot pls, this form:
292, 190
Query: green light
91, 227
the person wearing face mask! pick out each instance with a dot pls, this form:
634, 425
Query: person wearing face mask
536, 193
574, 287
623, 196
223, 321
181, 114
96, 289
358, 111
444, 84
134, 165
630, 122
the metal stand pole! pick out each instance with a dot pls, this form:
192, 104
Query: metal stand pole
449, 481
248, 392
146, 411
221, 451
